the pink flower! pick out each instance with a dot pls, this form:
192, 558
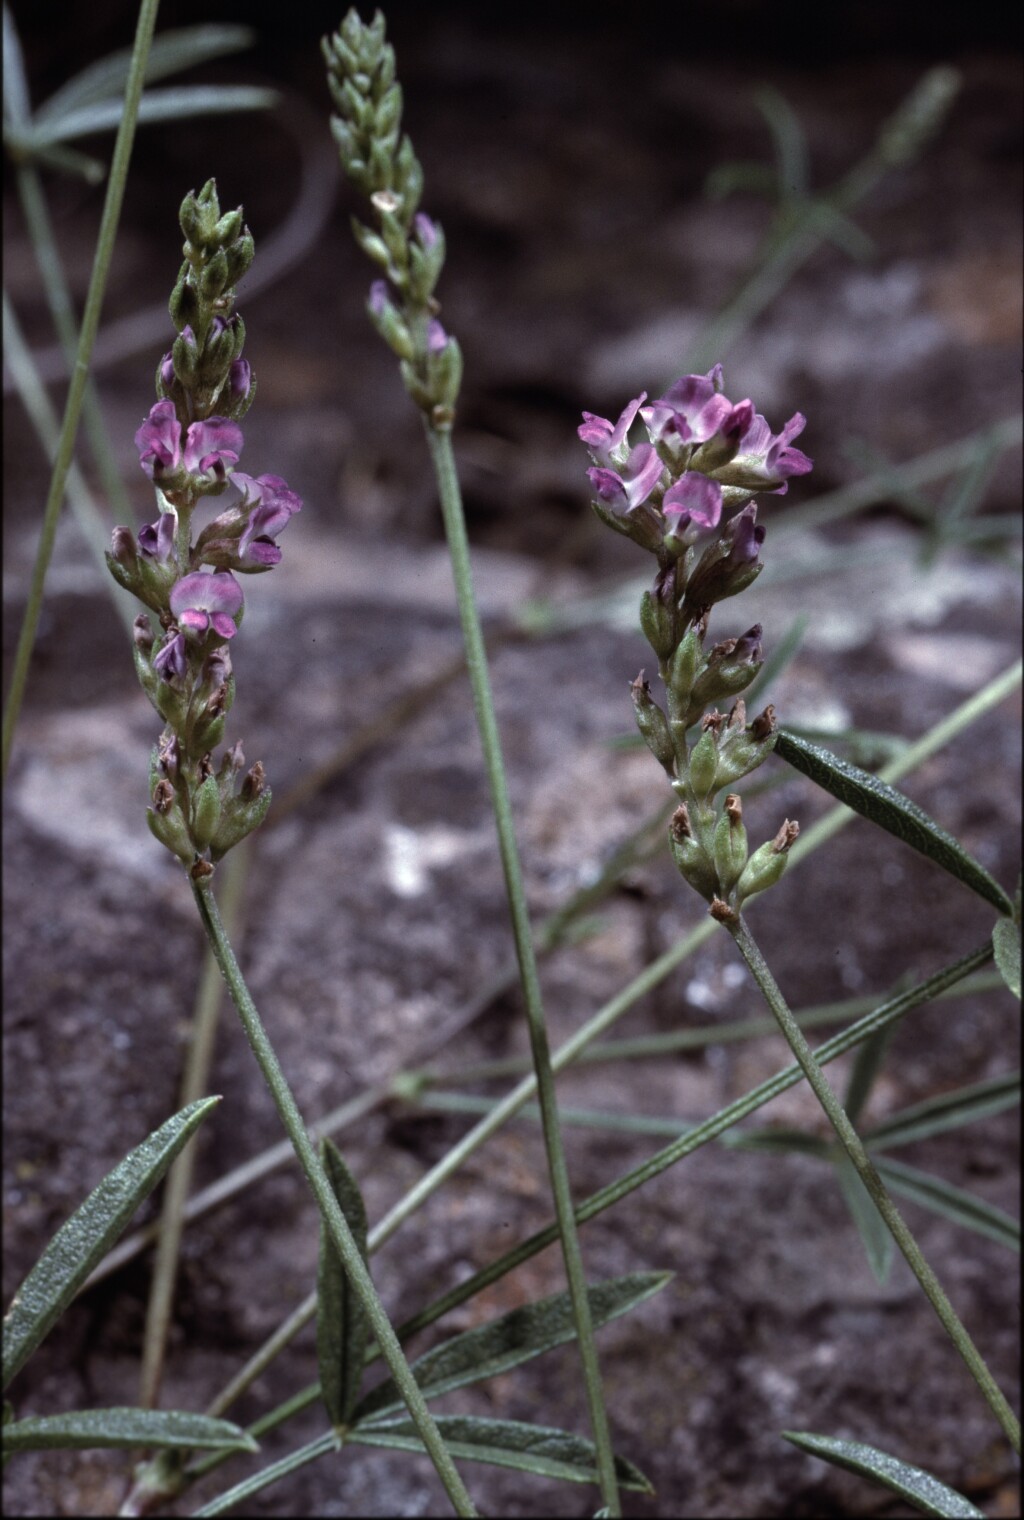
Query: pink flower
274, 505
629, 489
607, 443
203, 602
691, 411
211, 444
694, 503
159, 440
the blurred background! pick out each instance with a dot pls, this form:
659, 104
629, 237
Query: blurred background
626, 197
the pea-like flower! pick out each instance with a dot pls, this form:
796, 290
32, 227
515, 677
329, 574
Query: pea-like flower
691, 411
156, 540
606, 441
205, 448
206, 602
692, 506
764, 461
274, 505
633, 484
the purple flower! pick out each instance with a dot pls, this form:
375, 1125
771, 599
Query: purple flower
606, 443
437, 338
171, 661
764, 460
691, 411
379, 301
211, 444
159, 440
629, 489
239, 380
156, 540
202, 602
426, 230
274, 505
744, 535
167, 370
695, 503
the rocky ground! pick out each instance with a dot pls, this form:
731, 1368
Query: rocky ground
567, 169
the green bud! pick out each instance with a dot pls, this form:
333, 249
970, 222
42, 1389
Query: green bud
185, 354
767, 864
683, 667
208, 733
215, 278
373, 246
169, 828
205, 812
690, 857
730, 844
238, 819
704, 764
658, 625
653, 725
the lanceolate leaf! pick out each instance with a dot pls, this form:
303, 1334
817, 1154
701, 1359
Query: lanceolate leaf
509, 1443
1006, 944
873, 1231
952, 1202
86, 1428
948, 1111
342, 1329
505, 1342
80, 1243
884, 805
173, 104
913, 1484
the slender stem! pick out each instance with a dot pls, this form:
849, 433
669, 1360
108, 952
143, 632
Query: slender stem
34, 398
443, 458
58, 297
883, 1017
80, 372
194, 1083
837, 818
868, 1174
334, 1220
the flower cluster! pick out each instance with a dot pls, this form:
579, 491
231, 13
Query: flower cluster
686, 495
189, 446
407, 245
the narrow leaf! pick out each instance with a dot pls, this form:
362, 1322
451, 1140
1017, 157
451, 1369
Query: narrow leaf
311, 1452
873, 1231
951, 1202
80, 1243
342, 1329
85, 1428
919, 1488
866, 1065
514, 1338
1006, 944
949, 1111
179, 103
780, 1139
883, 804
170, 53
538, 1449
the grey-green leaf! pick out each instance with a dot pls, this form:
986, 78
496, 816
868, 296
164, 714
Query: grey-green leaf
170, 53
86, 1237
181, 102
883, 804
86, 1428
1006, 945
514, 1338
342, 1328
915, 1485
538, 1449
873, 1231
951, 1202
949, 1111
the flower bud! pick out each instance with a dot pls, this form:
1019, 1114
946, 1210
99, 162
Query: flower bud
683, 667
704, 763
767, 864
206, 808
690, 857
653, 725
169, 828
730, 844
658, 625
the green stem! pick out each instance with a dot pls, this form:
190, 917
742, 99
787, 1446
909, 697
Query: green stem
440, 445
80, 372
868, 1174
58, 297
837, 818
334, 1219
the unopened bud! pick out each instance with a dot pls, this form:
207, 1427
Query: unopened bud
206, 812
704, 763
730, 844
254, 783
653, 725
